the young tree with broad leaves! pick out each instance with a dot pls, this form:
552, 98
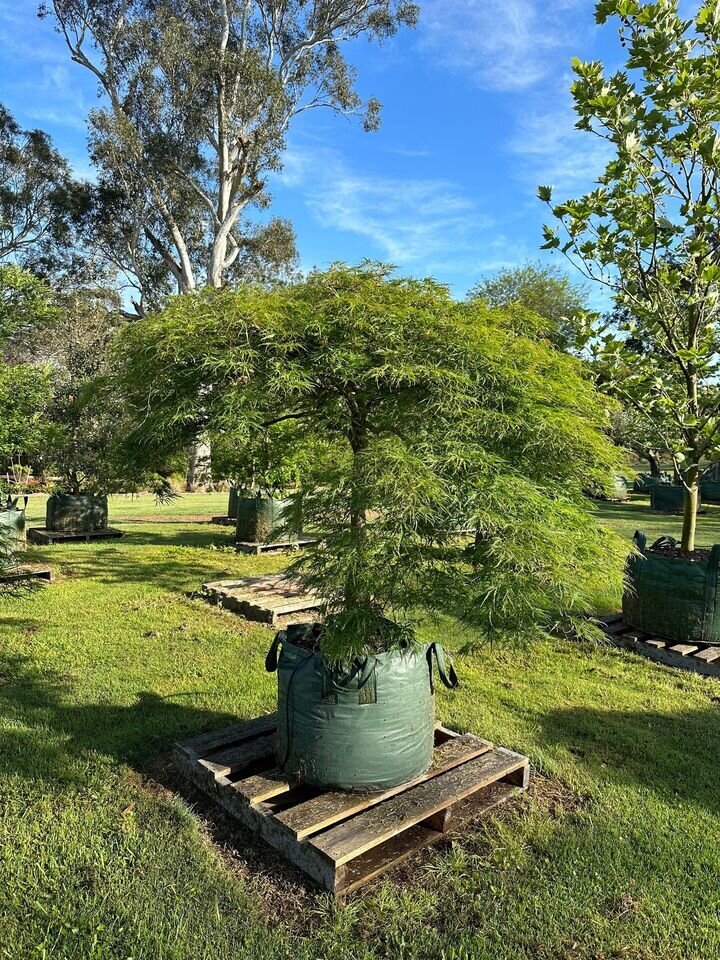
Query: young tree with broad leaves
650, 230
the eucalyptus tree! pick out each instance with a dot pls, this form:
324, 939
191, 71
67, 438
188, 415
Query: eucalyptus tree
198, 99
649, 231
36, 190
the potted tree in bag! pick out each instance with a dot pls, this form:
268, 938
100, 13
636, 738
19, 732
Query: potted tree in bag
648, 232
265, 467
437, 414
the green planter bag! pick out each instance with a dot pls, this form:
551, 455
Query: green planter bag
365, 725
667, 498
233, 503
76, 513
257, 517
710, 491
671, 596
12, 520
644, 482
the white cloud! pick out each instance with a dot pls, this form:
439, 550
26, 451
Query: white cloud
549, 150
503, 44
418, 224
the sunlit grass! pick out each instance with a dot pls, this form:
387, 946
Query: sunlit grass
615, 853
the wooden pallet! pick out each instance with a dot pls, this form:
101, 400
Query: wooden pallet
22, 574
342, 840
699, 657
48, 537
263, 599
243, 546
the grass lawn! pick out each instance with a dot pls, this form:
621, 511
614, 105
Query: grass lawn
615, 853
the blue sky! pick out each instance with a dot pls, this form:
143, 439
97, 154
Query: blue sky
476, 114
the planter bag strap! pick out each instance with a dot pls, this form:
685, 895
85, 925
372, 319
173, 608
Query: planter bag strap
271, 660
445, 667
356, 680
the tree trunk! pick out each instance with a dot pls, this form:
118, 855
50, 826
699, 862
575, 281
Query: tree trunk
690, 507
654, 461
192, 468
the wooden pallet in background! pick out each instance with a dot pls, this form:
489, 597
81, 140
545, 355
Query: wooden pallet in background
699, 657
342, 840
22, 574
46, 537
243, 546
262, 599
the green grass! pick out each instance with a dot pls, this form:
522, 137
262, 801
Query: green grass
615, 853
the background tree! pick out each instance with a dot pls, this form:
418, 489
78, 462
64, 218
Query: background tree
74, 341
37, 192
25, 388
649, 231
440, 417
544, 290
199, 98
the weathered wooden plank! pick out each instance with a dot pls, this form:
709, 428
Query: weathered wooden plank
328, 808
656, 642
685, 649
205, 743
310, 861
708, 654
245, 546
670, 659
615, 628
378, 824
380, 859
49, 537
223, 763
22, 574
263, 786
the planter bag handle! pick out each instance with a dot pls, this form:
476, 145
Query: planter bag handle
640, 541
271, 659
445, 667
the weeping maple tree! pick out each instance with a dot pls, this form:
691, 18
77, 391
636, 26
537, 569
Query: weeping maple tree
441, 419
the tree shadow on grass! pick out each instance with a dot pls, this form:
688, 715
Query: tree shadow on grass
672, 754
53, 738
120, 564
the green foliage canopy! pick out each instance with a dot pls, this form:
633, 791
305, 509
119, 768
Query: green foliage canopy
649, 230
545, 291
440, 416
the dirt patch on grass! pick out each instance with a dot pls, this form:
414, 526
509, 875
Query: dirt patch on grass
556, 799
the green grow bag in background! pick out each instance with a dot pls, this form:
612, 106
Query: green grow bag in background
12, 520
644, 482
620, 489
233, 503
710, 491
364, 725
673, 597
76, 513
668, 498
256, 518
